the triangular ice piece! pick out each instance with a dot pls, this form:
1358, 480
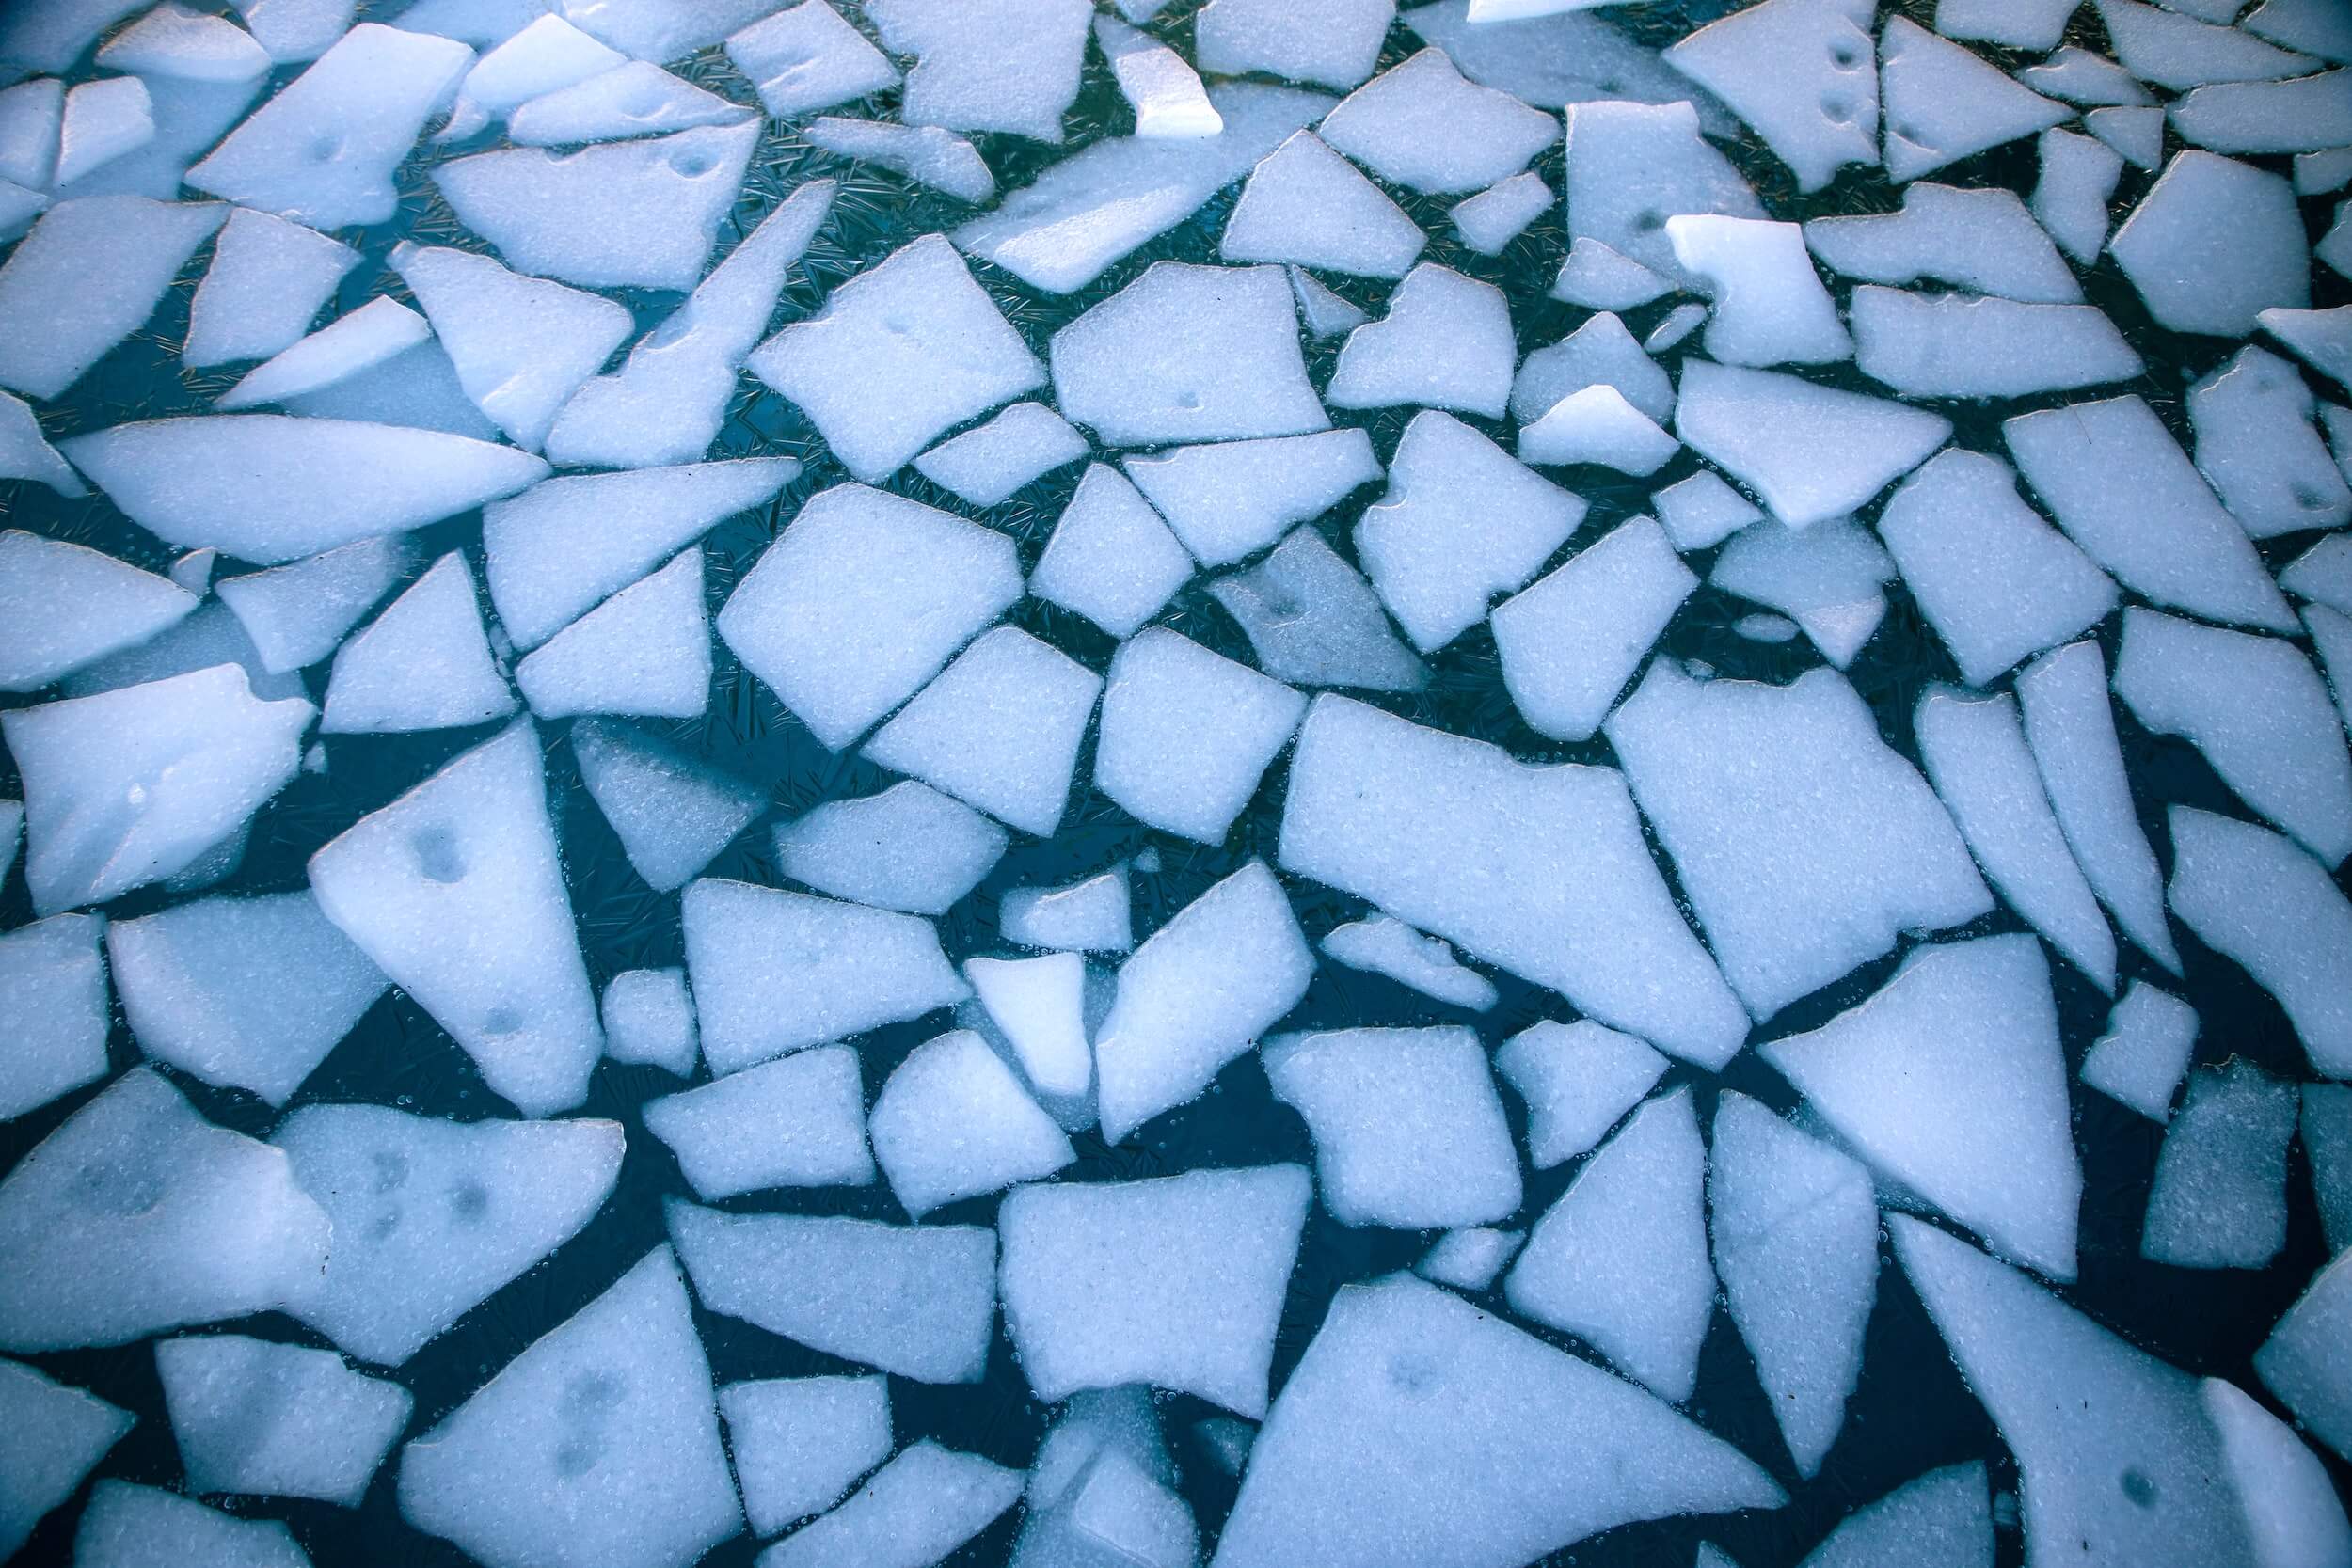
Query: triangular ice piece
425, 664
54, 1436
1799, 73
64, 606
645, 650
522, 345
1308, 205
1943, 104
1942, 1520
1809, 452
674, 814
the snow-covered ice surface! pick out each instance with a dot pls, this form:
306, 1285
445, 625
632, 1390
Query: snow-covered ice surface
1176, 784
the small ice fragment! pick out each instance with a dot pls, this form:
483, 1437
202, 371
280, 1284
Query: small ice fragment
953, 1122
1809, 452
1312, 621
1981, 240
296, 30
672, 813
1470, 1260
1830, 580
2321, 338
1801, 73
1323, 314
1446, 342
65, 606
638, 99
299, 614
348, 346
2076, 75
806, 58
275, 1419
1942, 103
89, 275
2069, 200
1333, 44
55, 1436
649, 1020
798, 1121
543, 58
2258, 900
1577, 1080
2322, 573
986, 465
53, 986
522, 347
1600, 352
127, 1526
1385, 945
2137, 132
801, 1443
1088, 916
103, 120
1491, 220
25, 451
1770, 306
1422, 124
1039, 1004
2214, 244
2138, 1061
1598, 279
919, 1508
1701, 512
2219, 1200
2327, 1136
908, 848
1597, 426
1186, 735
1000, 728
1569, 643
1110, 559
1679, 322
924, 153
2292, 1512
2258, 448
1228, 499
1162, 89
1944, 1516
646, 650
1308, 205
425, 664
30, 113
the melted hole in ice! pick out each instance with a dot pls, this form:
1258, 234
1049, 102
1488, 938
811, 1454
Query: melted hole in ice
589, 1400
501, 1021
391, 1170
469, 1200
120, 1184
1837, 109
1412, 1372
695, 165
2139, 1488
326, 149
436, 855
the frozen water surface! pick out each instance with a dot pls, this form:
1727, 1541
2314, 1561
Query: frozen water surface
1003, 782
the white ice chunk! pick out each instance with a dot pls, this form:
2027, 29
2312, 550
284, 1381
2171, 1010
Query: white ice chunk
522, 347
296, 615
1419, 1429
666, 403
1414, 820
2078, 178
1422, 124
1470, 1260
2219, 1200
1039, 1004
65, 606
1804, 843
1944, 1516
2291, 1510
1187, 353
2256, 898
917, 1508
53, 986
1322, 313
1569, 643
2321, 338
89, 275
1312, 621
617, 214
346, 347
2174, 51
1177, 1282
908, 848
2306, 115
324, 150
1701, 512
1198, 994
1981, 240
1491, 220
2302, 1361
1976, 754
1796, 1236
477, 22
1799, 73
103, 120
130, 787
433, 1217
902, 353
54, 1436
2322, 573
806, 58
2214, 244
649, 1020
924, 153
1333, 44
455, 891
1088, 916
138, 1215
1808, 451
1577, 1079
275, 1419
1770, 306
606, 1426
2258, 448
915, 1301
244, 992
1599, 353
129, 1527
25, 452
1306, 204
795, 1122
2134, 131
2071, 727
554, 551
953, 1122
998, 729
672, 813
801, 1443
985, 466
1952, 346
1407, 1128
2074, 73
1162, 89
1977, 1122
1596, 425
987, 65
1598, 279
646, 650
662, 30
548, 54
1228, 499
1633, 165
296, 30
1445, 343
1997, 582
1111, 558
1942, 103
845, 969
1462, 521
2138, 1061
2124, 490
425, 664
1186, 735
638, 99
2256, 708
1385, 946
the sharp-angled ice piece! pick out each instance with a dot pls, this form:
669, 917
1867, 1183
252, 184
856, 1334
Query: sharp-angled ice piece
2137, 132
2259, 712
1187, 353
296, 615
1198, 994
1230, 499
1333, 44
1702, 510
901, 354
433, 1217
1801, 73
953, 1122
2124, 490
915, 1301
999, 729
25, 452
557, 550
2307, 115
1419, 1429
1162, 89
275, 1420
806, 58
603, 1434
1186, 735
987, 65
1577, 1079
51, 1435
646, 650
843, 967
271, 488
924, 153
345, 348
242, 992
65, 606
1942, 103
1976, 754
1951, 346
1981, 240
2321, 338
546, 57
1597, 426
1599, 353
103, 120
666, 404
522, 347
455, 891
1633, 165
1598, 279
30, 113
425, 664
1312, 621
129, 1527
1727, 771
1176, 1282
799, 1121
1039, 1006
2140, 1058
2302, 1361
2322, 573
2219, 1200
2072, 73
919, 1508
638, 99
1796, 1234
618, 215
1809, 452
1997, 582
1407, 1128
2291, 1510
2256, 898
2214, 244
1088, 916
1944, 1516
130, 786
1384, 944
2174, 51
89, 275
1306, 204
1321, 311
986, 465
2069, 200
1470, 1260
1422, 124
2121, 1464
1569, 643
53, 987
1540, 871
1491, 220
1445, 343
2258, 448
1111, 558
908, 848
138, 1215
672, 813
1770, 306
801, 1443
324, 150
649, 1020
1977, 1123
